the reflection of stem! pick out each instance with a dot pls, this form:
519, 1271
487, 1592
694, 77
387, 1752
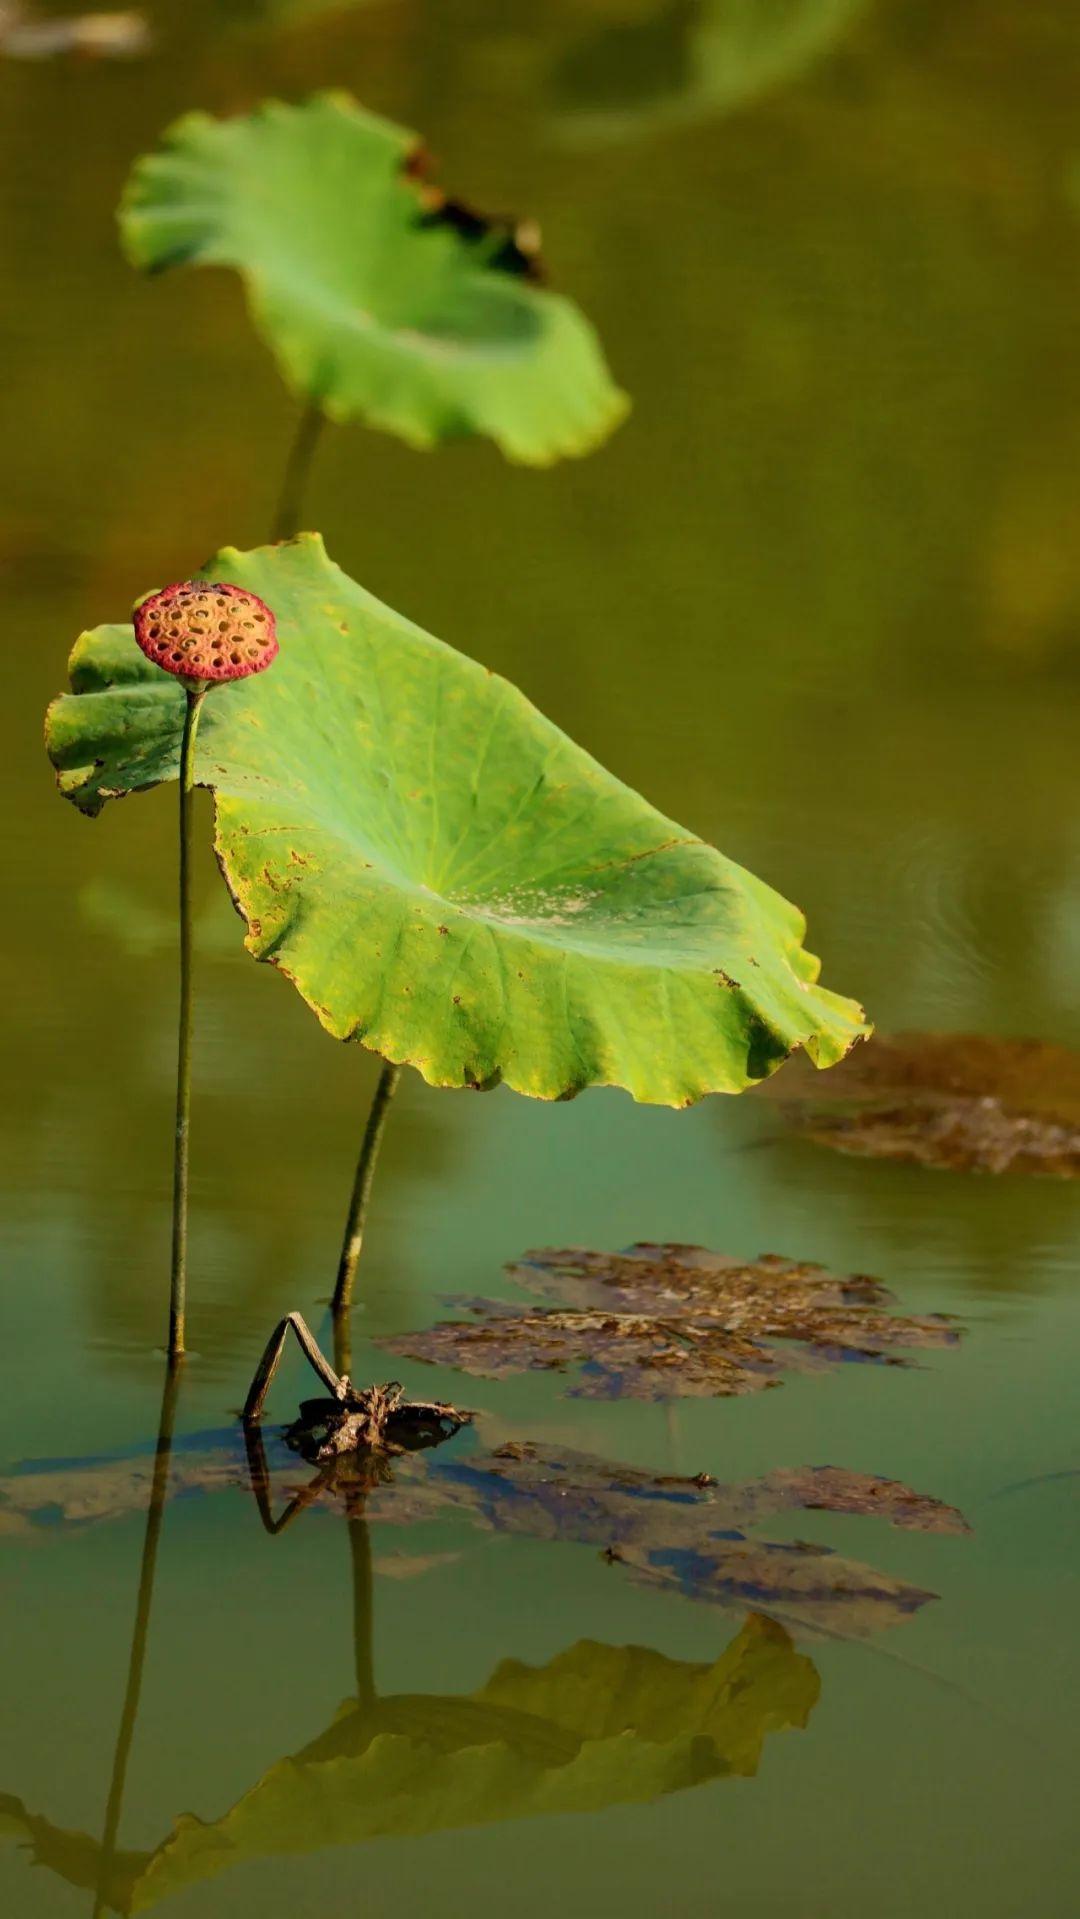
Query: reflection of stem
297, 470
178, 1277
259, 1474
365, 1173
363, 1612
671, 1421
154, 1515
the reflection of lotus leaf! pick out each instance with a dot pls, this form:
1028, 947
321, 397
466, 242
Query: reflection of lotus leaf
656, 1322
960, 1102
441, 872
598, 1726
378, 296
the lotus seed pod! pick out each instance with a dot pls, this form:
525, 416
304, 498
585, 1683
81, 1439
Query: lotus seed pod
201, 631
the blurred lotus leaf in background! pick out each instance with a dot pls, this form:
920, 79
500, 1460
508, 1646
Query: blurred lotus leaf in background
380, 297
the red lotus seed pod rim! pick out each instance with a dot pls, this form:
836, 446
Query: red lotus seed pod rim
201, 630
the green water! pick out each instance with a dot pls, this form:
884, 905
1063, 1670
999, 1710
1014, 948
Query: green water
819, 599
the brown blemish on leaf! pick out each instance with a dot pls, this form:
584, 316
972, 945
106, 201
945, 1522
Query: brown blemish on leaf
662, 1321
511, 245
956, 1102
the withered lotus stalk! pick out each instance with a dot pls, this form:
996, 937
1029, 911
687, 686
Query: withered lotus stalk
202, 633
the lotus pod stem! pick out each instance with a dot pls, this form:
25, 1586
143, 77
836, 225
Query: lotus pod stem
181, 1143
201, 632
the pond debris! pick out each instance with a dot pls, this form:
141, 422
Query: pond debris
25, 35
687, 1535
366, 1419
953, 1101
665, 1321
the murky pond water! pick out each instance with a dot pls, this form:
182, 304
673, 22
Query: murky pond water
819, 599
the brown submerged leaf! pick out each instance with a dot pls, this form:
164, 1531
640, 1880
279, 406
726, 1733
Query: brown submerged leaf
953, 1101
687, 1535
657, 1322
680, 1534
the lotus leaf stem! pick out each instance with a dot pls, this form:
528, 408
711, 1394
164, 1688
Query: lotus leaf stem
297, 472
365, 1173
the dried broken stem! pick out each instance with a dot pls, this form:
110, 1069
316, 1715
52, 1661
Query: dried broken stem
178, 1272
268, 1364
365, 1173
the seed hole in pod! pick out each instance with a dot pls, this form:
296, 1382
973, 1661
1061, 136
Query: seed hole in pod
236, 659
178, 657
155, 632
253, 652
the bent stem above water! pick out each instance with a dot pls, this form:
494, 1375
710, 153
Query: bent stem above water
365, 1173
178, 1275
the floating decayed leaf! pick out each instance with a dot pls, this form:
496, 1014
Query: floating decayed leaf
442, 873
663, 1321
954, 1101
596, 1726
683, 1534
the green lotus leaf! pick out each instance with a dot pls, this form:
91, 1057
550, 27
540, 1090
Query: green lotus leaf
597, 1726
441, 872
379, 297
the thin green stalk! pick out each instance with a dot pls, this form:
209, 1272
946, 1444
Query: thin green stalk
297, 472
365, 1173
140, 1633
178, 1281
342, 1329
